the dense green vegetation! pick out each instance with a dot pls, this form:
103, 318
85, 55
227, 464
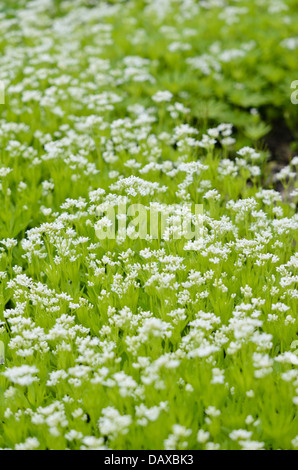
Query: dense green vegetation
133, 342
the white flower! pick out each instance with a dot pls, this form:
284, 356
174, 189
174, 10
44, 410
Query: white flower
161, 96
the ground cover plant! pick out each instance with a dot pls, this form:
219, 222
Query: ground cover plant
132, 342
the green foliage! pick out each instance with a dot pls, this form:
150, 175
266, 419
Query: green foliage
132, 343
